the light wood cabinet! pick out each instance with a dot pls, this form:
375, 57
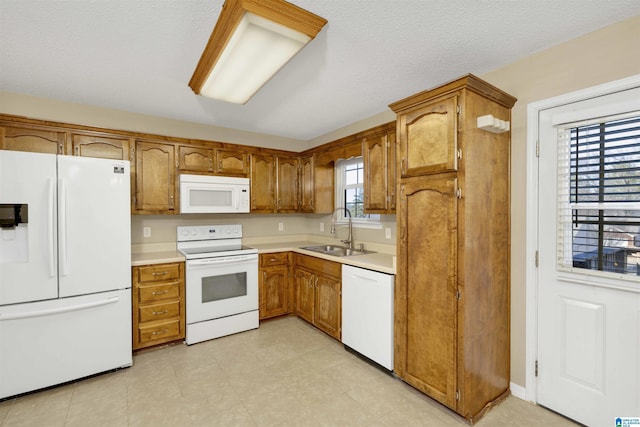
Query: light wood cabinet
452, 283
158, 304
155, 182
429, 137
195, 159
274, 291
33, 139
318, 287
379, 158
102, 146
307, 185
232, 162
263, 183
287, 183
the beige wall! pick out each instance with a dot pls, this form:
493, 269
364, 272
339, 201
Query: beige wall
605, 55
163, 227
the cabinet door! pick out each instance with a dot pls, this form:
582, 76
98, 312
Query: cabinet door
232, 162
287, 184
305, 282
105, 147
155, 177
17, 138
391, 171
195, 159
426, 304
274, 292
374, 152
307, 185
328, 307
263, 185
428, 138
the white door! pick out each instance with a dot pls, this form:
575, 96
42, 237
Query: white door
28, 256
588, 320
95, 225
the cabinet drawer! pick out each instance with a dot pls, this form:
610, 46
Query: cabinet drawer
153, 312
158, 273
277, 258
160, 292
159, 331
319, 265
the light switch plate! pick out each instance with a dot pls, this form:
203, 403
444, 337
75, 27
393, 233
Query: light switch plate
387, 233
146, 231
280, 226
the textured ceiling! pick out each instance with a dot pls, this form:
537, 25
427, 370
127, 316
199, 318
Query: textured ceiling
138, 55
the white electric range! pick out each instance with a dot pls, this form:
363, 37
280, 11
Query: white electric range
221, 281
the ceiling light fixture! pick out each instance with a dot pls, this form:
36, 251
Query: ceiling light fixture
251, 41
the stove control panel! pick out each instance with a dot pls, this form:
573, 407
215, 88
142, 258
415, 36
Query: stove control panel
208, 232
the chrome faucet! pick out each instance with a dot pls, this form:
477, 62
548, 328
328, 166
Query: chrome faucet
349, 239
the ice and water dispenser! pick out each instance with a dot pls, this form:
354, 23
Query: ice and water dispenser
14, 241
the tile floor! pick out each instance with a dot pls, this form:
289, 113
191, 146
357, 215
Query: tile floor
286, 373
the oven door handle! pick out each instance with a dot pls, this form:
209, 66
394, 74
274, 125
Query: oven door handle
222, 260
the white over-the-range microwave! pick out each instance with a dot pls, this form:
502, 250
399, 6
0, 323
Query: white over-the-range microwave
213, 194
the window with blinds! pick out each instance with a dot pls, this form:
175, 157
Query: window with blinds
599, 195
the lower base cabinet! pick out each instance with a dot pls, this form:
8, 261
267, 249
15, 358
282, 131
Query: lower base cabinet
158, 297
275, 292
318, 285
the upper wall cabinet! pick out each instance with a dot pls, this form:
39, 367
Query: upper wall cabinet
103, 146
155, 183
232, 162
39, 140
307, 185
287, 184
428, 138
193, 158
379, 157
263, 183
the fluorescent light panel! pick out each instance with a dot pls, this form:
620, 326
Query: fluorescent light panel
252, 40
254, 54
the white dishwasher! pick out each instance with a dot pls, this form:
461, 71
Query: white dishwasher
367, 313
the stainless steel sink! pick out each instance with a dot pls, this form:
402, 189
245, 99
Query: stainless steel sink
336, 250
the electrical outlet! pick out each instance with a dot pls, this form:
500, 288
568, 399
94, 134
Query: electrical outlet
146, 231
387, 233
322, 227
280, 226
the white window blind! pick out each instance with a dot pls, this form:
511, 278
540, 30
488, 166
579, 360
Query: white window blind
599, 195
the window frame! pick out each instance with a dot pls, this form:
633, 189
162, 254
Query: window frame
576, 210
372, 220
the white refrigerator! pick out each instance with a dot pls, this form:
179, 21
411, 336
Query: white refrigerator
65, 269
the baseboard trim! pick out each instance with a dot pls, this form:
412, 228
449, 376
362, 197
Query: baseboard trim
518, 391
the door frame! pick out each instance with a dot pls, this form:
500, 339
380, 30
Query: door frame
531, 211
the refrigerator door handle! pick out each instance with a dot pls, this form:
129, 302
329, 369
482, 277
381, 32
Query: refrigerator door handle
63, 226
51, 311
51, 225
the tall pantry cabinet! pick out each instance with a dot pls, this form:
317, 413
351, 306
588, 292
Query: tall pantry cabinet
452, 284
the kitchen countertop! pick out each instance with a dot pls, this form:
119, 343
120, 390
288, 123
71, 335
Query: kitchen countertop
155, 257
378, 261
